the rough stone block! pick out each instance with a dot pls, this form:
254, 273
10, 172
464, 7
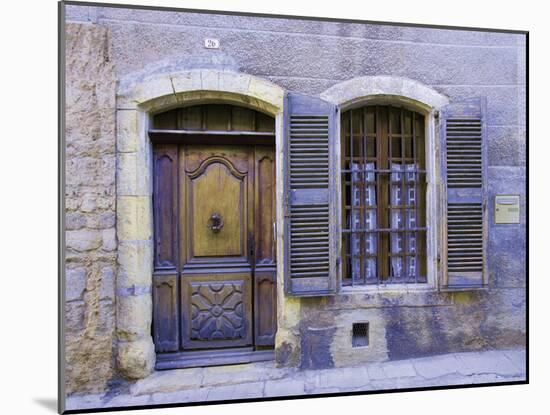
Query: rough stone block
105, 220
109, 239
132, 179
234, 82
75, 283
88, 204
106, 316
135, 259
134, 313
74, 220
210, 80
107, 286
127, 131
136, 359
83, 240
133, 218
186, 81
75, 313
147, 89
90, 171
266, 92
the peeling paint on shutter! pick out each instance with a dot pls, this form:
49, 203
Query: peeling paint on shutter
309, 152
464, 170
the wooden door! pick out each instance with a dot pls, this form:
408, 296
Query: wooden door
221, 199
217, 195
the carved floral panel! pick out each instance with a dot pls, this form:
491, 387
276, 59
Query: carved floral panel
217, 311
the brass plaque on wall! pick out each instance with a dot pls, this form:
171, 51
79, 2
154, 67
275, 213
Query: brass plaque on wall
507, 209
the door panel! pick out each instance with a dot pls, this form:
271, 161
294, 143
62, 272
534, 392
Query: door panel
265, 307
165, 206
217, 194
265, 205
265, 298
217, 310
217, 181
165, 314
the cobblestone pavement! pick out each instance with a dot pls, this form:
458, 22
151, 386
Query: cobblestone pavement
265, 380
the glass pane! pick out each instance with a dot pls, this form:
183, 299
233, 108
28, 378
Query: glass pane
371, 121
396, 147
408, 141
395, 121
407, 122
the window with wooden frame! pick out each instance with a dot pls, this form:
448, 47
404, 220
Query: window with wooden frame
378, 216
383, 196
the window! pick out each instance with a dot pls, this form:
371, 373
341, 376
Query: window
360, 215
383, 196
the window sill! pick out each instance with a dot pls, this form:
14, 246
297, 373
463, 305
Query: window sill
393, 288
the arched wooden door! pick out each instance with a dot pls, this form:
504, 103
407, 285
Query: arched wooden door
214, 214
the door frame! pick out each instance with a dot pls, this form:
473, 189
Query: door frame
257, 272
138, 97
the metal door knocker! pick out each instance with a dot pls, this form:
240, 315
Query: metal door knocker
215, 222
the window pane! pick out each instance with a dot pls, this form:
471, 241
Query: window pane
384, 218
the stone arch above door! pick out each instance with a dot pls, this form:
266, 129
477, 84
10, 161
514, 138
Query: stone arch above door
137, 99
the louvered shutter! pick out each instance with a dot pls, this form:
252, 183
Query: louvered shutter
310, 254
464, 167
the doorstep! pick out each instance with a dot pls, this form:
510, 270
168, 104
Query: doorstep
264, 379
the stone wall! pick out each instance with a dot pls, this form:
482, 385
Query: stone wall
91, 245
309, 57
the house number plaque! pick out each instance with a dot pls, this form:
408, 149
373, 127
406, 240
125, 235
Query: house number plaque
211, 43
507, 209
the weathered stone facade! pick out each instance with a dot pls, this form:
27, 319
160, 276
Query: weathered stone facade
159, 61
91, 242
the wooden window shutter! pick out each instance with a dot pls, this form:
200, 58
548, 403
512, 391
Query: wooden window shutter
310, 200
464, 175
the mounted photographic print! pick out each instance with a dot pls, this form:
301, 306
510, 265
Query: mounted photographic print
264, 206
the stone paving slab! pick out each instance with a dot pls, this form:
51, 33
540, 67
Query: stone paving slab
437, 366
264, 379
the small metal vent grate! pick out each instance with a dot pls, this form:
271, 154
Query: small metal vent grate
464, 168
360, 335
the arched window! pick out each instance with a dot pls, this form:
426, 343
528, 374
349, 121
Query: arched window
383, 196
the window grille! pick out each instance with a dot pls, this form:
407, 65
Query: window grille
383, 196
360, 335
